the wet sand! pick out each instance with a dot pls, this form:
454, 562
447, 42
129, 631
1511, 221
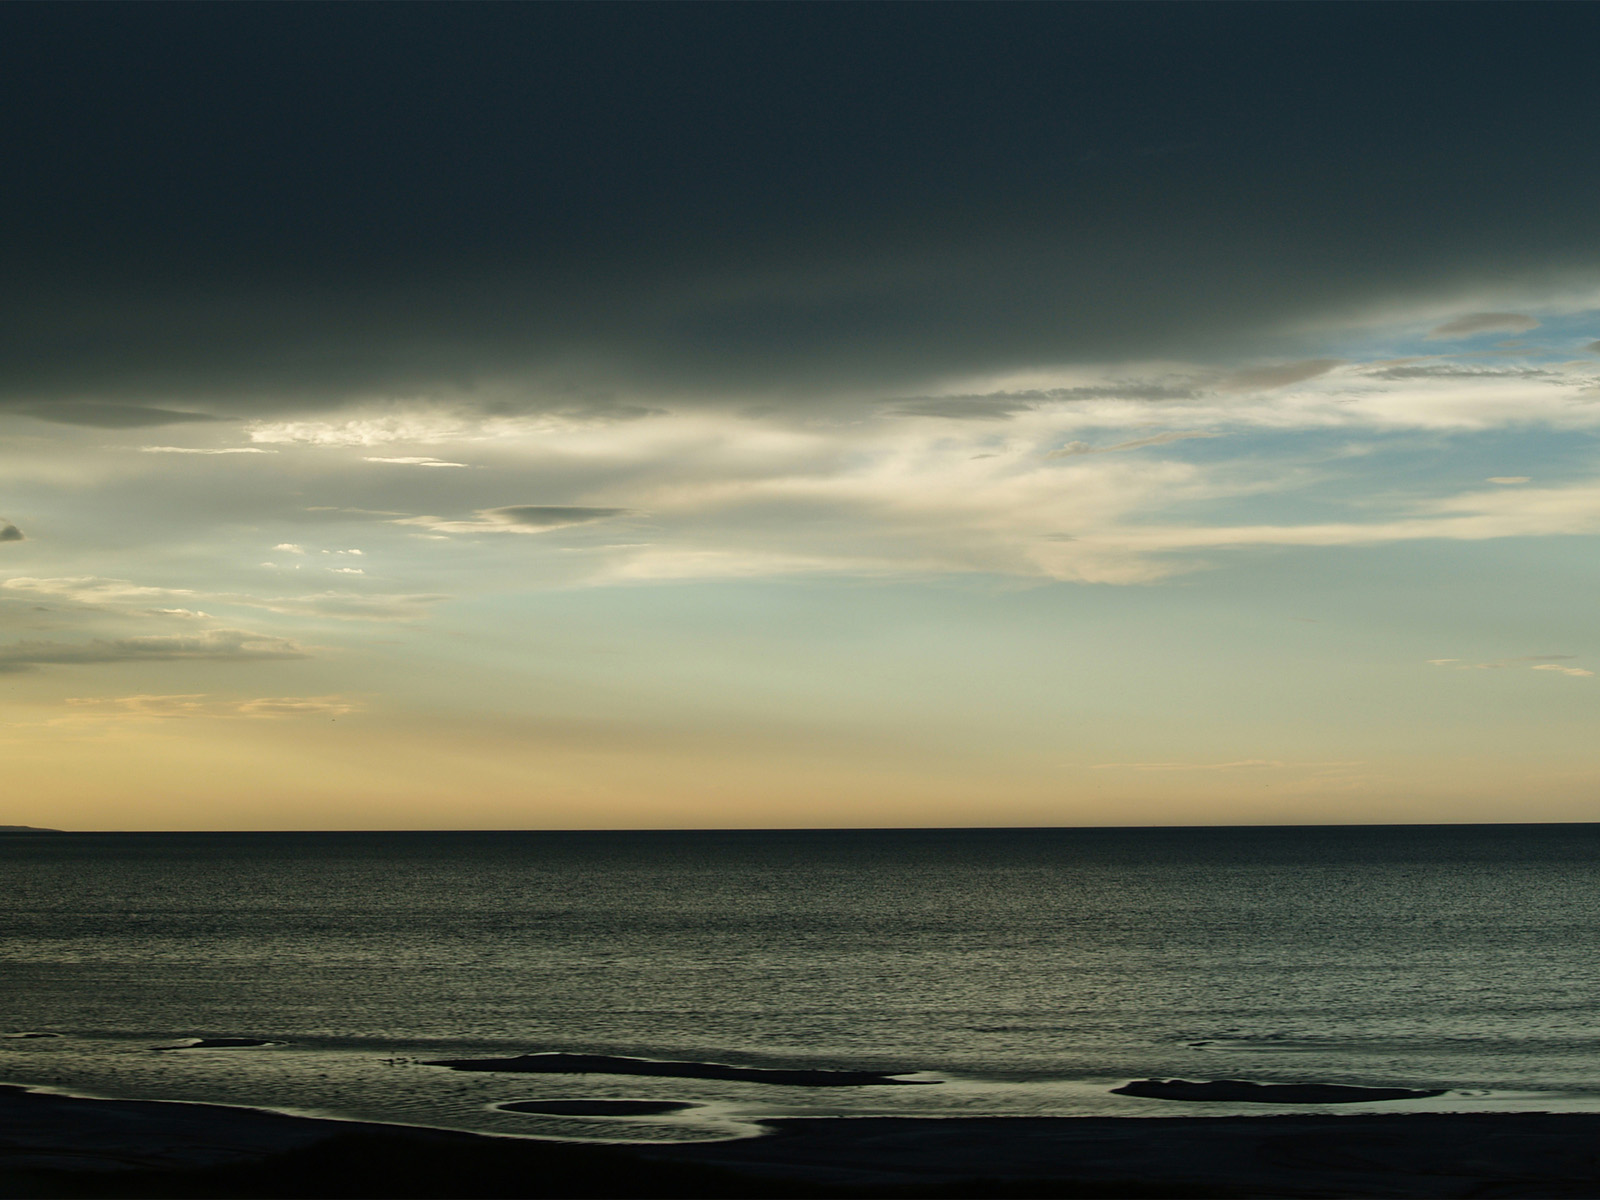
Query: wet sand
63, 1146
597, 1108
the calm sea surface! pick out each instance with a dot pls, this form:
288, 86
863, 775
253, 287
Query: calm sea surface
1028, 971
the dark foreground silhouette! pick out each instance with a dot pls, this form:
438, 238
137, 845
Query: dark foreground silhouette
606, 1064
61, 1146
1236, 1090
440, 1168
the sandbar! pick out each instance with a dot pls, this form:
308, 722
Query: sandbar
1234, 1091
220, 1043
607, 1064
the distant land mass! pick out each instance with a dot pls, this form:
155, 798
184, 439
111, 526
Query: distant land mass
26, 829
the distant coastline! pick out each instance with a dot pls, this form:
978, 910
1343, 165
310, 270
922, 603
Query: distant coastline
28, 829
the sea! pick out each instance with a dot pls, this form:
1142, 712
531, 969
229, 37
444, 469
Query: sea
1008, 972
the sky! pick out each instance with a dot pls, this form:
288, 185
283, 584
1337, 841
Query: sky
658, 416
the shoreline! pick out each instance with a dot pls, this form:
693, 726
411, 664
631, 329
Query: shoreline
54, 1144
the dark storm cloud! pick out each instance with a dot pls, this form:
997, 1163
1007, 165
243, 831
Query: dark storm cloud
250, 209
10, 533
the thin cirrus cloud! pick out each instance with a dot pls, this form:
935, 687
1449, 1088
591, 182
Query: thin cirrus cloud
520, 518
91, 590
1003, 404
152, 707
1074, 449
413, 461
379, 430
1534, 662
94, 592
225, 645
1197, 383
113, 416
1456, 371
1243, 764
354, 606
201, 450
1485, 322
1278, 375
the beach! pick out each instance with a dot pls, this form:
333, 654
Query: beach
58, 1145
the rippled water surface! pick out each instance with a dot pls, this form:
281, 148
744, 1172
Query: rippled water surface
1027, 970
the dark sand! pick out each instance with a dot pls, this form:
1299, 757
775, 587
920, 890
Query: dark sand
1234, 1091
1399, 1155
61, 1146
606, 1064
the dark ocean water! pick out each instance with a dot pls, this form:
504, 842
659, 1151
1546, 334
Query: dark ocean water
1027, 970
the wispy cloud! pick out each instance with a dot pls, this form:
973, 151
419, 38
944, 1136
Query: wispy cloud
1003, 404
413, 461
519, 518
119, 594
1244, 764
1535, 662
91, 589
149, 707
1456, 371
1277, 375
297, 706
1485, 322
229, 645
355, 606
382, 430
114, 416
198, 450
1074, 449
